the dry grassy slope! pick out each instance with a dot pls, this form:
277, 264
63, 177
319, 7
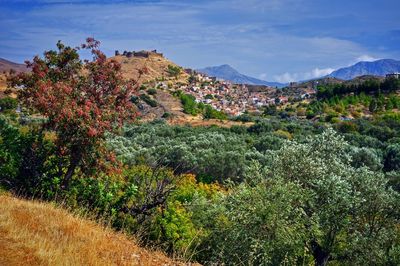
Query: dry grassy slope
3, 87
3, 83
34, 233
156, 65
6, 65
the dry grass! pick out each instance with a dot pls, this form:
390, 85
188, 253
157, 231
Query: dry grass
156, 68
35, 233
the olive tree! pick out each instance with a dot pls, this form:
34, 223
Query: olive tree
345, 207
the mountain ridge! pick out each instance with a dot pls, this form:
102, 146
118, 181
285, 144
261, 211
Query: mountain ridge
227, 72
379, 67
7, 65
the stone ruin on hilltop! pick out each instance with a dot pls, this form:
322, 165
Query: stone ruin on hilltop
142, 53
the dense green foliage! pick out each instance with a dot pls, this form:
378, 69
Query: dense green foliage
8, 103
201, 150
307, 203
210, 113
317, 198
189, 103
355, 100
369, 86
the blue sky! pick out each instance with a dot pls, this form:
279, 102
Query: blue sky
275, 40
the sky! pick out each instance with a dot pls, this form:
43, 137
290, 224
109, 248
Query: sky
274, 40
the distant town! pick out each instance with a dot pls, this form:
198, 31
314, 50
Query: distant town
236, 99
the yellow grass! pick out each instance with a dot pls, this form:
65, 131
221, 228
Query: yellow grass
35, 233
156, 68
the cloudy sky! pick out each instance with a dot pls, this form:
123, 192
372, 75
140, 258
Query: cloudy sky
275, 40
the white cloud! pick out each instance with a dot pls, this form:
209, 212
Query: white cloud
263, 76
319, 72
366, 58
315, 73
285, 77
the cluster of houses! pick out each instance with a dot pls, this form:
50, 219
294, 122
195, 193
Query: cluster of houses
235, 99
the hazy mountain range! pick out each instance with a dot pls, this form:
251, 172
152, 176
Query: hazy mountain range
227, 72
6, 65
375, 68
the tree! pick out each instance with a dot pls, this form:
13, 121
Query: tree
8, 103
82, 101
392, 158
343, 202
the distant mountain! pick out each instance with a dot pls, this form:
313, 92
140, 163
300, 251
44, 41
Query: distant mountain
376, 68
227, 72
6, 65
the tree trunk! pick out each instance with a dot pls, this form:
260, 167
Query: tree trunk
75, 160
321, 256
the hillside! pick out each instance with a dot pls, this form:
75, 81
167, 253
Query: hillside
172, 105
6, 65
156, 66
320, 81
375, 68
34, 233
3, 84
227, 72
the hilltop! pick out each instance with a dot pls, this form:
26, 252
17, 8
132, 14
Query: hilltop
156, 66
35, 233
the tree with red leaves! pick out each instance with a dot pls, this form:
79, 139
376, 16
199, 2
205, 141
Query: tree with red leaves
82, 101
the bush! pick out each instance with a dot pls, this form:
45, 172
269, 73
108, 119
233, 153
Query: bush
152, 91
210, 113
147, 99
8, 103
189, 104
244, 118
166, 115
392, 157
174, 71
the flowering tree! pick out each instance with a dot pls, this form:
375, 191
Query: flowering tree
81, 99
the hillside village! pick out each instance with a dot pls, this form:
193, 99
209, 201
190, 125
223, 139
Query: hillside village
236, 99
222, 95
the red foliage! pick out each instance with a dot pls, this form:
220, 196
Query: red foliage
81, 99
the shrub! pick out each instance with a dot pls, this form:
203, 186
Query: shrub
189, 104
210, 113
174, 71
147, 99
8, 103
152, 91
